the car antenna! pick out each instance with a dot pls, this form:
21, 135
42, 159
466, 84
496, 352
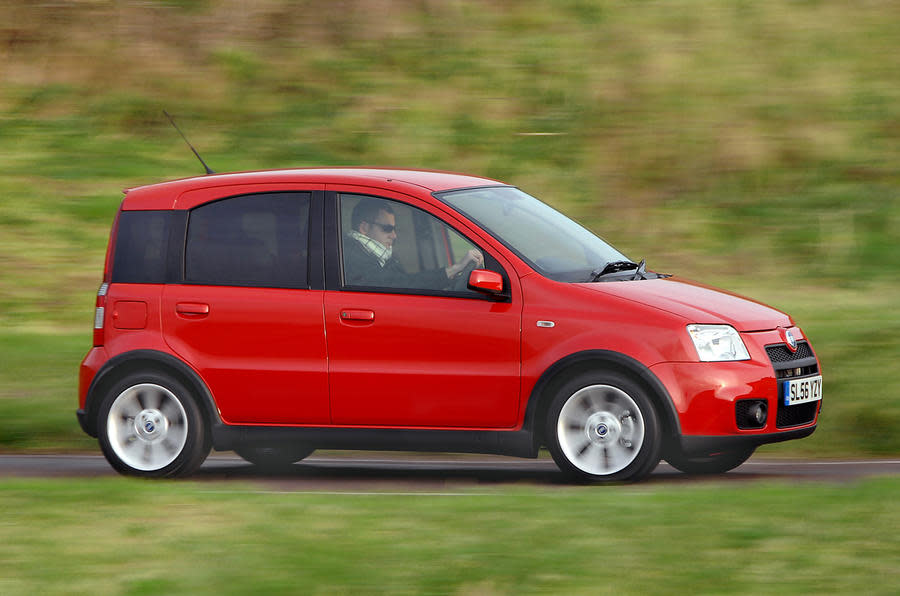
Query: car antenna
208, 171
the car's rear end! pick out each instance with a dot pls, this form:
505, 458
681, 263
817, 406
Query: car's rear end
126, 314
97, 355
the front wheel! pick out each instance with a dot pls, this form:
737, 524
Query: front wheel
601, 426
718, 463
150, 425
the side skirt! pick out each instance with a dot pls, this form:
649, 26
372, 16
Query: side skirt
514, 443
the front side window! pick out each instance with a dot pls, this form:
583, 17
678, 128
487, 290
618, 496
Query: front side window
251, 240
387, 244
546, 239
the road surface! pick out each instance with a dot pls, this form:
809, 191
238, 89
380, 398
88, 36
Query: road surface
385, 472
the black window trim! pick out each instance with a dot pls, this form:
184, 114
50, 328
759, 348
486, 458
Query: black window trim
334, 257
315, 267
177, 241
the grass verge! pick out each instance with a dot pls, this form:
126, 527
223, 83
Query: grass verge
39, 391
120, 536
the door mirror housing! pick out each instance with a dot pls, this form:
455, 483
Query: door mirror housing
483, 280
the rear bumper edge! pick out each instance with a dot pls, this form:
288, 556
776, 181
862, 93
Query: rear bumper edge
82, 421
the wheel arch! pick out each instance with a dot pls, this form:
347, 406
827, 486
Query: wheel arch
561, 370
120, 366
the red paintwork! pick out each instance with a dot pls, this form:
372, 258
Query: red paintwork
261, 351
91, 364
585, 320
340, 358
698, 302
119, 341
129, 314
423, 362
164, 195
702, 394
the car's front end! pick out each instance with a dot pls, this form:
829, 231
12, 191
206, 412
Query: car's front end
741, 373
772, 395
732, 373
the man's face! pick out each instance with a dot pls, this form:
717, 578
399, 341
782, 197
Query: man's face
377, 230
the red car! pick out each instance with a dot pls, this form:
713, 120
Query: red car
274, 313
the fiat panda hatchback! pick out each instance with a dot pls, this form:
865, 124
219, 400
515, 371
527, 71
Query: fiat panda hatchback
275, 313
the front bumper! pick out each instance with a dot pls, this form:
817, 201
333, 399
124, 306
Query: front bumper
706, 394
695, 445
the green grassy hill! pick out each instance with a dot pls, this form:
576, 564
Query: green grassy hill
752, 145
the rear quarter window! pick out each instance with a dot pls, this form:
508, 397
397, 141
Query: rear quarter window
140, 248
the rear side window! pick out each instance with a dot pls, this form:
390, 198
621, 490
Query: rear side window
141, 243
250, 240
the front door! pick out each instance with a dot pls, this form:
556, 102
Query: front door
409, 345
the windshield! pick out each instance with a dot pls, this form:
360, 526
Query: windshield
550, 242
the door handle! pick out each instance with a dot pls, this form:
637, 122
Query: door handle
349, 314
192, 309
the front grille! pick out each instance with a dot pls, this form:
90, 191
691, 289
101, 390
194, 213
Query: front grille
781, 353
790, 365
796, 415
800, 371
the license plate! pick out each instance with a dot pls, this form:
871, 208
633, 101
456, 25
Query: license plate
800, 391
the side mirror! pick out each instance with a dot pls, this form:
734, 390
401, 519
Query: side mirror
483, 280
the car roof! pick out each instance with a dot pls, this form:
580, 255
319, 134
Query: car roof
164, 194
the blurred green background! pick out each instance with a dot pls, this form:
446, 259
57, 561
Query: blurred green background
751, 145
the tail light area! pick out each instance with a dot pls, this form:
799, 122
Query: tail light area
100, 314
100, 306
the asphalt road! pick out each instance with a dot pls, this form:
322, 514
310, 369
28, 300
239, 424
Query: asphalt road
388, 472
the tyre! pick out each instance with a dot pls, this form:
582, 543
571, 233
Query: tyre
718, 463
150, 425
602, 426
273, 457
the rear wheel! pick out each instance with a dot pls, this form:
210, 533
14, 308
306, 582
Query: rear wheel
601, 426
717, 463
150, 425
273, 457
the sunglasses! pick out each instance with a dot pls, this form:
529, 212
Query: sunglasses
387, 228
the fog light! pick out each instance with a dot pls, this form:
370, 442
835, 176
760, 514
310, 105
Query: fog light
751, 414
757, 414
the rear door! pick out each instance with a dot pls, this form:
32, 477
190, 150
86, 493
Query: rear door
246, 313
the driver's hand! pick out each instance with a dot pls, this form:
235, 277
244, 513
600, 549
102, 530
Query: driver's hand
475, 256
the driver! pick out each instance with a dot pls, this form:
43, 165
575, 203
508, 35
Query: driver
368, 248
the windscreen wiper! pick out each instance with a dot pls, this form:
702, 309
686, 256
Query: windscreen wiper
613, 267
641, 272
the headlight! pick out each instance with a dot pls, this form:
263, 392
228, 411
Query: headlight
717, 343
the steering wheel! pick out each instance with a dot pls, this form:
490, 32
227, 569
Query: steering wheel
460, 283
